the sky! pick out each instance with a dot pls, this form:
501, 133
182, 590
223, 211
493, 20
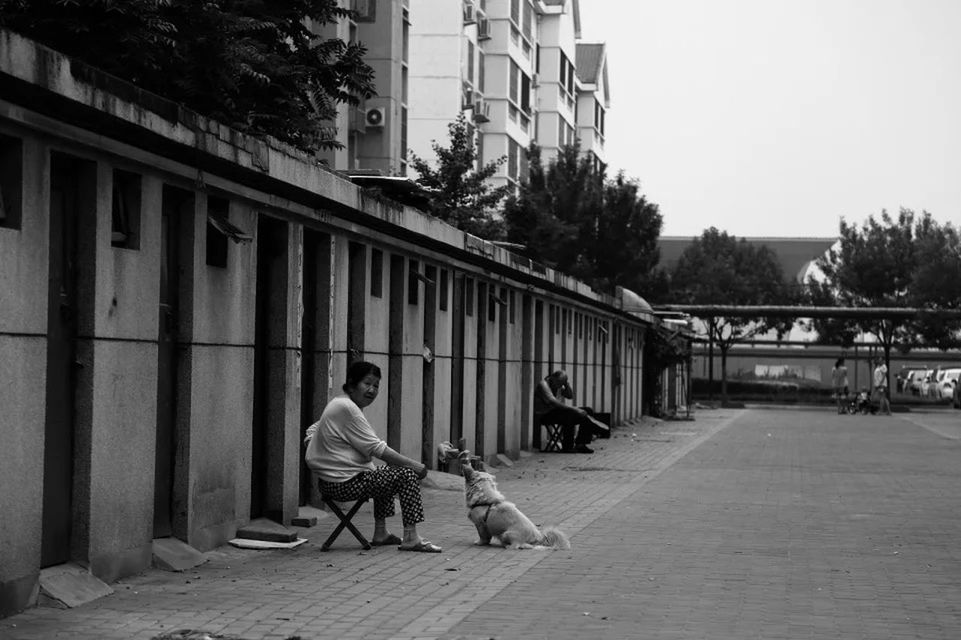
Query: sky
779, 117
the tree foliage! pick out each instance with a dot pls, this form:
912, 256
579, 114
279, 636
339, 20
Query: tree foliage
254, 65
719, 269
910, 261
624, 244
569, 216
554, 208
461, 192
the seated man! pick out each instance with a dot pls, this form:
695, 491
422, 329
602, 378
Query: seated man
550, 408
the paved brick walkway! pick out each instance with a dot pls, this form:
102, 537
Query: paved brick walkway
741, 524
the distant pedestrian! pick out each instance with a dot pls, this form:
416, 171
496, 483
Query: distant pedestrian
881, 387
839, 382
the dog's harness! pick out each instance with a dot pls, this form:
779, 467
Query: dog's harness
487, 512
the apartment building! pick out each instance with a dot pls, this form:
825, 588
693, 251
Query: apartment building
373, 134
513, 67
517, 70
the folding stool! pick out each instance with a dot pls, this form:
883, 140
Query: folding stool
345, 521
554, 434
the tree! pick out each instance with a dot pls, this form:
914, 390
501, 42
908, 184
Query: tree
719, 269
555, 208
892, 263
571, 217
460, 192
936, 282
254, 65
623, 247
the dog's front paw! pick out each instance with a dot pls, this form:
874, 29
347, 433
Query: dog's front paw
481, 543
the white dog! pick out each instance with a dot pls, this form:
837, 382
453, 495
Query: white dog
495, 517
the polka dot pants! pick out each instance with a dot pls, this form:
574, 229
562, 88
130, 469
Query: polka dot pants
382, 485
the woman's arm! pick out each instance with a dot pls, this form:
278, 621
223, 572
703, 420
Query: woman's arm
395, 459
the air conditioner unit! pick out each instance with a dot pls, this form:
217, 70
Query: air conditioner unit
482, 111
483, 29
374, 118
470, 15
535, 80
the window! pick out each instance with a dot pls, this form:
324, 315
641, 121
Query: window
525, 93
403, 136
11, 182
510, 307
514, 82
366, 10
528, 20
513, 150
562, 72
516, 11
376, 273
525, 165
413, 281
125, 228
406, 36
442, 294
470, 62
492, 304
217, 208
480, 71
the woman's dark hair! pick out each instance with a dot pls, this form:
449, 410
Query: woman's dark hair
839, 362
359, 370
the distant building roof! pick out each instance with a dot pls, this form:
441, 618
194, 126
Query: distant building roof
794, 254
589, 61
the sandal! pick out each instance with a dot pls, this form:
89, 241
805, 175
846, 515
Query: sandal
424, 546
389, 540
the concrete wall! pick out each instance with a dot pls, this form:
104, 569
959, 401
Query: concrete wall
23, 351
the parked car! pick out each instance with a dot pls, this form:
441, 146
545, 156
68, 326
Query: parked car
903, 380
946, 382
915, 380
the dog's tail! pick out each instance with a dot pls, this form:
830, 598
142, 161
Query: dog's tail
554, 537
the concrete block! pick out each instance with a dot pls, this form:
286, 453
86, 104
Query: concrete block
171, 554
308, 516
266, 530
71, 585
503, 460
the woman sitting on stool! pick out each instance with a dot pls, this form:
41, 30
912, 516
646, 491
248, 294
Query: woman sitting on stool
341, 445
